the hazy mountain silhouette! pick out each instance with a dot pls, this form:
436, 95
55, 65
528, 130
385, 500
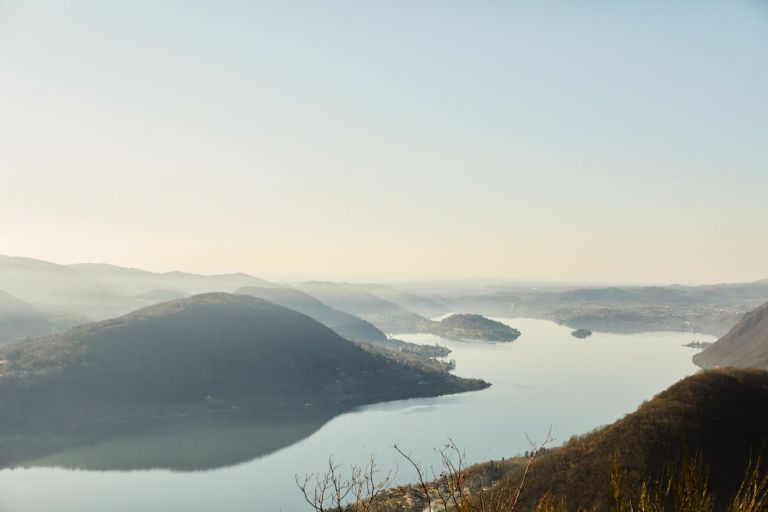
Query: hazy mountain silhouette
161, 295
428, 306
712, 309
100, 291
134, 281
19, 319
42, 282
345, 324
384, 314
632, 295
393, 318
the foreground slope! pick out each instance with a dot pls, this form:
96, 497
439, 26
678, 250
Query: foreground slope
196, 354
723, 414
745, 345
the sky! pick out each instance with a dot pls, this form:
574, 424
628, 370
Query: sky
594, 141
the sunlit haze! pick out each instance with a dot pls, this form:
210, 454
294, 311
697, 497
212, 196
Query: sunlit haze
579, 141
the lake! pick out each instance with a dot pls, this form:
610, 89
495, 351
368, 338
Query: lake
546, 379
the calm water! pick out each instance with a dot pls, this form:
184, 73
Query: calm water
247, 463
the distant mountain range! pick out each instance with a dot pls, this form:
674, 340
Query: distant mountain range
204, 353
131, 280
65, 295
90, 291
427, 305
386, 315
395, 318
745, 345
457, 326
93, 291
19, 319
709, 309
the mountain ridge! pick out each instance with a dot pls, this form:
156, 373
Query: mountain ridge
346, 324
20, 319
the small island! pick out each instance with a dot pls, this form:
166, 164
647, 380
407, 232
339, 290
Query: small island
473, 327
581, 333
698, 344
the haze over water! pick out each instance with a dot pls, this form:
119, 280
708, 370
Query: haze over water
545, 378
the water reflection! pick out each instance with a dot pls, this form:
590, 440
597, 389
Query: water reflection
546, 379
179, 444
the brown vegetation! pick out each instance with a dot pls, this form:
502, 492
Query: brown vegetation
641, 463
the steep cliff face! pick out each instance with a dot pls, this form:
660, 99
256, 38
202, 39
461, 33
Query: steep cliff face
744, 346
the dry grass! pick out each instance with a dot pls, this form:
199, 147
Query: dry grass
458, 488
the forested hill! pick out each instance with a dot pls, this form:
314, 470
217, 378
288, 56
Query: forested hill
195, 354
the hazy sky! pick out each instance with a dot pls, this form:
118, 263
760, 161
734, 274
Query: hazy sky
586, 141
